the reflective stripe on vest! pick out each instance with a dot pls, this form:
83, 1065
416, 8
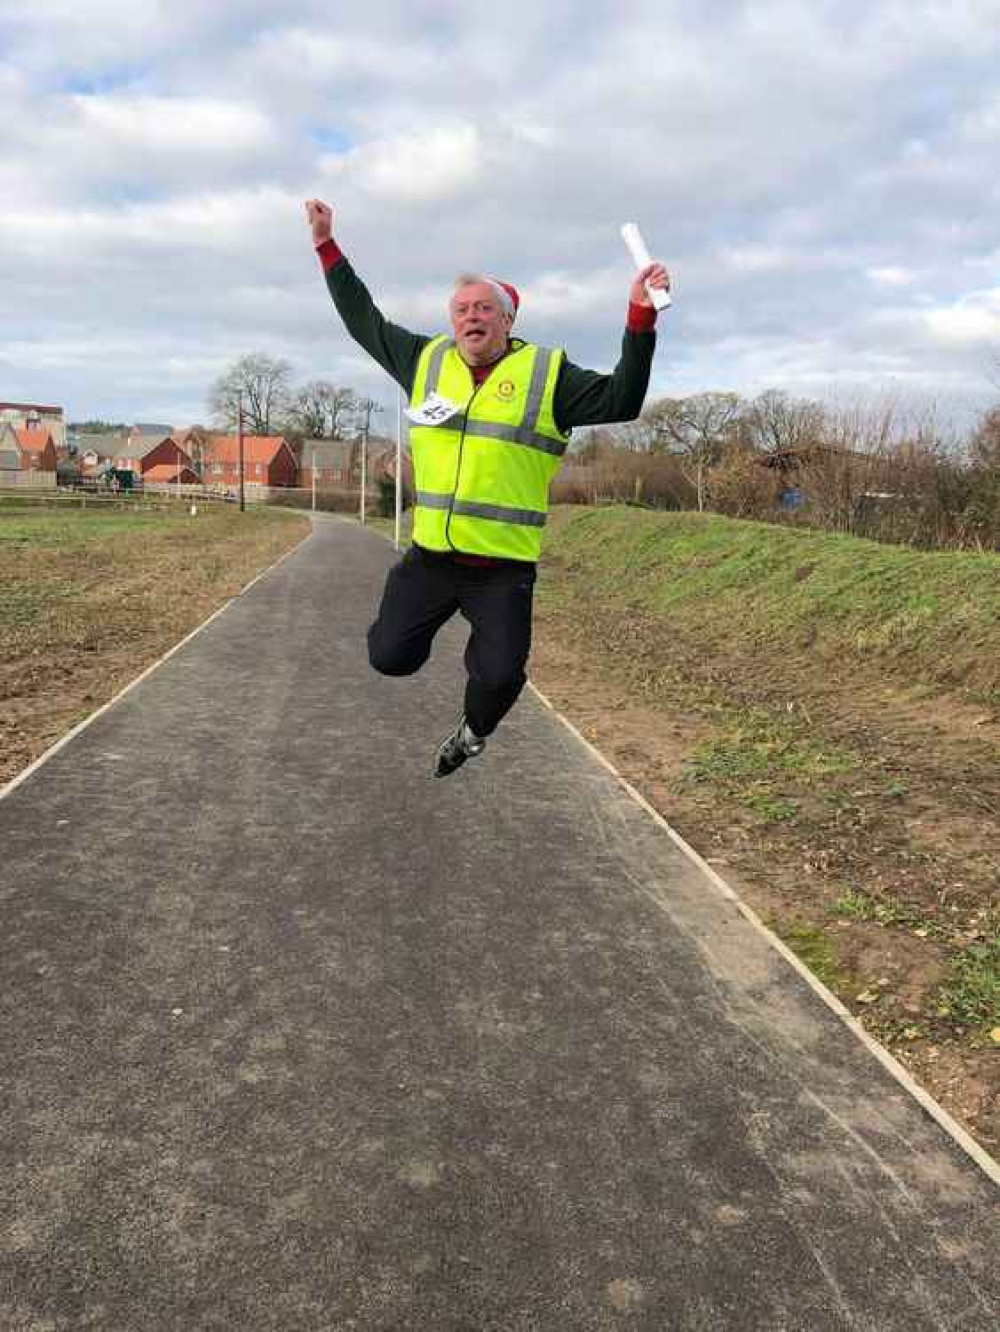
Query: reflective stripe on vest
499, 513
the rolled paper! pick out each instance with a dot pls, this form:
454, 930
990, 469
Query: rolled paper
632, 237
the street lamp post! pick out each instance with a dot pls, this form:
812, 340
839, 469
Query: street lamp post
366, 405
364, 467
239, 438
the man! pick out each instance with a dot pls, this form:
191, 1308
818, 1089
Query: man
490, 418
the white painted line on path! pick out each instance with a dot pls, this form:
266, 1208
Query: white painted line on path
902, 1075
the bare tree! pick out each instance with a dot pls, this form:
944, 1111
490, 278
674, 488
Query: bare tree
984, 446
776, 423
697, 429
265, 384
321, 410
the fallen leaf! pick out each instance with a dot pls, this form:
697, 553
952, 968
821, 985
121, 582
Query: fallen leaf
868, 997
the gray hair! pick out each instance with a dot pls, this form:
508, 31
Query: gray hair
477, 279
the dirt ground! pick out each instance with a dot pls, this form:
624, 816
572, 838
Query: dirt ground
890, 860
103, 610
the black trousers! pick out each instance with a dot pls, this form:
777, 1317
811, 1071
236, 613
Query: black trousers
423, 591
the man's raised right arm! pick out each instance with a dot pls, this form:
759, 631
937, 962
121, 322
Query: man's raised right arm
396, 349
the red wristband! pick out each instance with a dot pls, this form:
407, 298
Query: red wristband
641, 318
329, 254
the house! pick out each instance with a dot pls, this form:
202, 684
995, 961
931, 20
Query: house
146, 433
194, 441
97, 447
267, 461
34, 416
133, 448
327, 461
830, 474
165, 453
381, 461
27, 457
337, 462
170, 474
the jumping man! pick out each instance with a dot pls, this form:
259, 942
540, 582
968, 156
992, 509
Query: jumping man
491, 417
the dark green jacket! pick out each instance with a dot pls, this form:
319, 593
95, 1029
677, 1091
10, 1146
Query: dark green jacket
582, 397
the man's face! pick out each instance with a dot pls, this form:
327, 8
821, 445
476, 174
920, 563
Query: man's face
480, 323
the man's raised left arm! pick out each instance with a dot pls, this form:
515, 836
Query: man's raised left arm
586, 397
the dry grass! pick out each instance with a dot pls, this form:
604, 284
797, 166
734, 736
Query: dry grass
90, 598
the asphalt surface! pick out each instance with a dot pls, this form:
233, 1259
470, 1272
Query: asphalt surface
295, 1037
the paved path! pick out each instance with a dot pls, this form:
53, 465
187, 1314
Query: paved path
294, 1037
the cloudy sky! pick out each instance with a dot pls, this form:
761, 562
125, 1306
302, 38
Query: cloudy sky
821, 176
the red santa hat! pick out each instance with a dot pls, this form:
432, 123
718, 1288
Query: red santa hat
510, 298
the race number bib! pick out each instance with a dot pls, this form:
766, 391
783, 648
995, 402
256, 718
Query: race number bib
434, 410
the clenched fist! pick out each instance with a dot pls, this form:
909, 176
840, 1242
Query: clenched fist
657, 277
320, 216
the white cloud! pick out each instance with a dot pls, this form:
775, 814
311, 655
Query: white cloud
820, 179
974, 320
436, 164
891, 275
166, 126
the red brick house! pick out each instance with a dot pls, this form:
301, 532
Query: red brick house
38, 450
170, 474
332, 461
267, 461
132, 449
27, 457
167, 454
338, 461
35, 416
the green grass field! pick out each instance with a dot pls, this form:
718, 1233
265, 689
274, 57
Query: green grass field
846, 694
934, 617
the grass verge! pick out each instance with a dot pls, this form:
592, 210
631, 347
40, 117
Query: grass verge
91, 597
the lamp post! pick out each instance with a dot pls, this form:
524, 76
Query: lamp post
239, 439
367, 406
364, 466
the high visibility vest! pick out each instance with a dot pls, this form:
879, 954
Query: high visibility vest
482, 475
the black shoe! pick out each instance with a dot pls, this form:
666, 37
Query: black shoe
462, 744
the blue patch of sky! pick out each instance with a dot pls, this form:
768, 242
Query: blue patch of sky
329, 139
106, 81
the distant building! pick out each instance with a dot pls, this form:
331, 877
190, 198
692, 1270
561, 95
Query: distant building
94, 449
167, 461
34, 416
150, 432
337, 462
267, 461
327, 461
170, 474
133, 449
27, 457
